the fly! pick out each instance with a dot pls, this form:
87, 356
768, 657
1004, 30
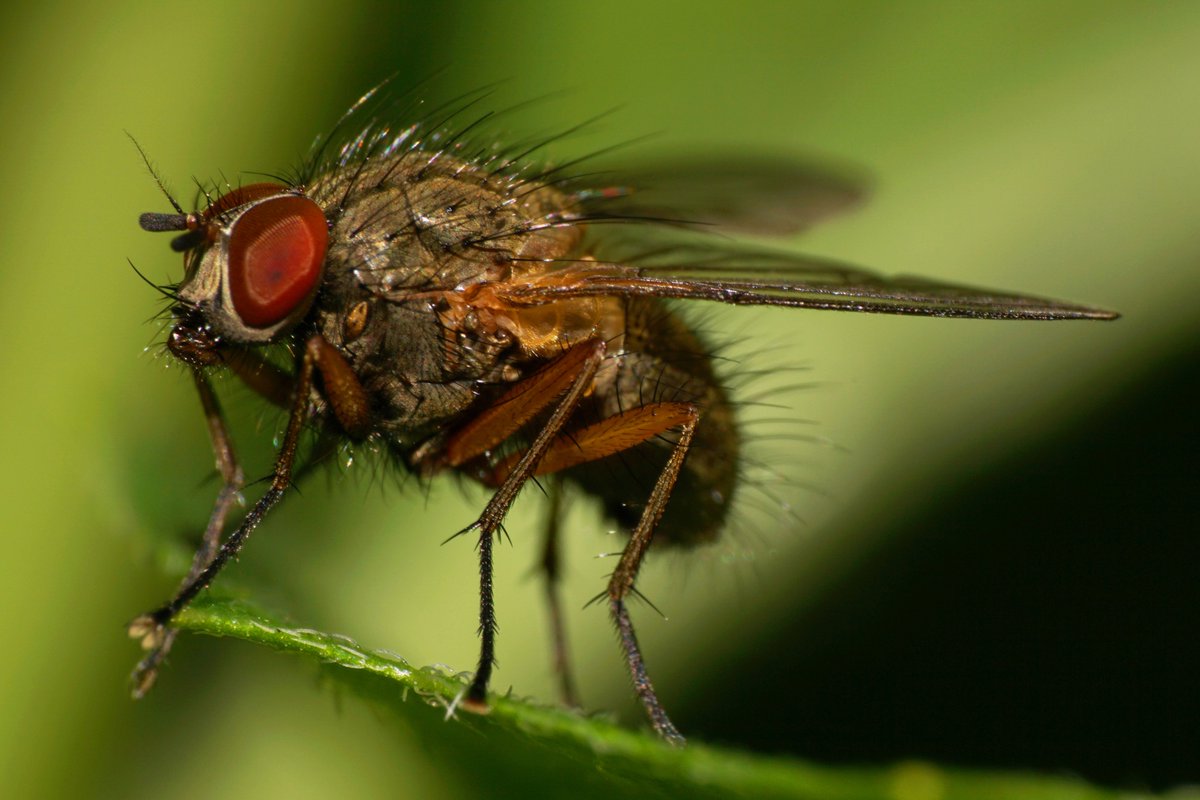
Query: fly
470, 312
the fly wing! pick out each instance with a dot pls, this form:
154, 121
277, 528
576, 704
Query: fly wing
743, 276
757, 195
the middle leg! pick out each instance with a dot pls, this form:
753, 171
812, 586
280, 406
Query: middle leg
577, 369
551, 567
607, 437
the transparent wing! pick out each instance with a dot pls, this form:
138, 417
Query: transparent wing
759, 195
738, 194
737, 275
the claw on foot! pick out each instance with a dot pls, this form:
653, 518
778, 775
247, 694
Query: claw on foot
151, 632
156, 639
475, 706
142, 679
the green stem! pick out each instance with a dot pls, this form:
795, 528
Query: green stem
598, 744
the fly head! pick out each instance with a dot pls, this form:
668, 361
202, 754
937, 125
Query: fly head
253, 262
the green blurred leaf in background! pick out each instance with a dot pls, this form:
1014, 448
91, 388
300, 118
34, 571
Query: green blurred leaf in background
999, 570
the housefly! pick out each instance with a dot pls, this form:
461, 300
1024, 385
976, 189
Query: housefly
470, 311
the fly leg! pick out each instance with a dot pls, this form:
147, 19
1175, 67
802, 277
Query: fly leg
151, 628
621, 582
551, 566
607, 437
561, 383
275, 385
145, 673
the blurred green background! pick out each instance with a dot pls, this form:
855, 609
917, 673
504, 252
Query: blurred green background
999, 569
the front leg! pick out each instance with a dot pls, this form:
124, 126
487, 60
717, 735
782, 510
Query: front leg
152, 628
232, 477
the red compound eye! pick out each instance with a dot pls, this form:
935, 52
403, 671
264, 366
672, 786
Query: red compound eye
276, 250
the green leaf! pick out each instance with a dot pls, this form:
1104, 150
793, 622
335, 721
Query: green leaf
533, 743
